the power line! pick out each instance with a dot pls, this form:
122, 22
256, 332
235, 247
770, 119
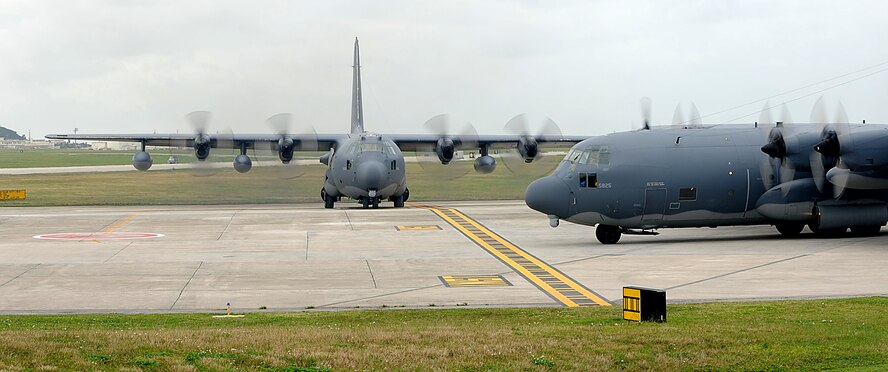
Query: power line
810, 94
796, 90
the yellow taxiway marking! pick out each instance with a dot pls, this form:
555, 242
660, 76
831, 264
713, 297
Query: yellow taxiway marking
116, 225
417, 227
545, 277
474, 281
120, 223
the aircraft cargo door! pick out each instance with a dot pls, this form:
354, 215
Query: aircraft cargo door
654, 206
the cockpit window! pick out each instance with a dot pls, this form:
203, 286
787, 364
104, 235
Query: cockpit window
385, 147
595, 155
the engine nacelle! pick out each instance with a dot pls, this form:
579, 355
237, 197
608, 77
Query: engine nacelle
861, 150
142, 161
528, 148
242, 163
445, 149
286, 147
795, 149
485, 164
202, 144
845, 216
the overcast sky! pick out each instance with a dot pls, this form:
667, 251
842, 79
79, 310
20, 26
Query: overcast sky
139, 66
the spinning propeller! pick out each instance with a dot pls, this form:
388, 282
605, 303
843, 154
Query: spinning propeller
524, 159
306, 139
436, 159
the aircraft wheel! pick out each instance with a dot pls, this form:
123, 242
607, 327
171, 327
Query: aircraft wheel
790, 229
826, 233
406, 194
375, 203
328, 202
365, 202
866, 230
608, 234
399, 201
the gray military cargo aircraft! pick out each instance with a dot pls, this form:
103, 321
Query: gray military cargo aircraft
365, 166
830, 177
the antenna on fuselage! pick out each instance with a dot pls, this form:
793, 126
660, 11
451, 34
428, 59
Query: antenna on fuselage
357, 119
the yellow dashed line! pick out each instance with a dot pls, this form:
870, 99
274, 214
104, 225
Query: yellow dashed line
545, 277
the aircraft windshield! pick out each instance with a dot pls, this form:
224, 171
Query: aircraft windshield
595, 155
374, 147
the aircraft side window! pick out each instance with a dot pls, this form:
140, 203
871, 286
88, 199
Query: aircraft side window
394, 165
584, 158
348, 164
687, 194
588, 180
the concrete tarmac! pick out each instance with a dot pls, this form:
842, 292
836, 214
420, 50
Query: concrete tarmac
295, 257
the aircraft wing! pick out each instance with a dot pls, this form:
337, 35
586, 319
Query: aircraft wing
303, 142
414, 142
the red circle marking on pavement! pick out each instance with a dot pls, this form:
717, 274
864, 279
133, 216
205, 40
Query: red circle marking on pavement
98, 236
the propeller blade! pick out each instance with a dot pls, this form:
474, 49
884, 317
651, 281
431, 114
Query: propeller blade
465, 137
519, 126
646, 113
787, 174
303, 139
785, 115
677, 116
199, 121
818, 112
766, 168
695, 119
765, 116
818, 170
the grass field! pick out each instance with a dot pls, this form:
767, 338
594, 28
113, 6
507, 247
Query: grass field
260, 185
40, 158
819, 334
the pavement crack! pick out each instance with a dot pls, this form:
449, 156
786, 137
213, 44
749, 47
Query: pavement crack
587, 259
371, 274
121, 250
737, 271
228, 225
186, 285
19, 275
347, 218
332, 304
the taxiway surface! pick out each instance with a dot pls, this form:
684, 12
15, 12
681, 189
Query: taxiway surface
293, 257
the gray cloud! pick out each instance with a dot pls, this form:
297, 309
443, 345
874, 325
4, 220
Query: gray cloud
139, 66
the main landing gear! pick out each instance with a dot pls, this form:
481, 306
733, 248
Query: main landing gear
328, 200
608, 234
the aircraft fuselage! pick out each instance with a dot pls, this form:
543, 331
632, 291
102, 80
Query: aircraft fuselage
680, 177
366, 165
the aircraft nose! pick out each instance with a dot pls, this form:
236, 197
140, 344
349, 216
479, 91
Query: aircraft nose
548, 195
370, 175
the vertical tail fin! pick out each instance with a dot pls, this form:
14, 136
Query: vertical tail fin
357, 121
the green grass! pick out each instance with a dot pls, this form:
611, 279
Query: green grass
260, 185
806, 335
41, 158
